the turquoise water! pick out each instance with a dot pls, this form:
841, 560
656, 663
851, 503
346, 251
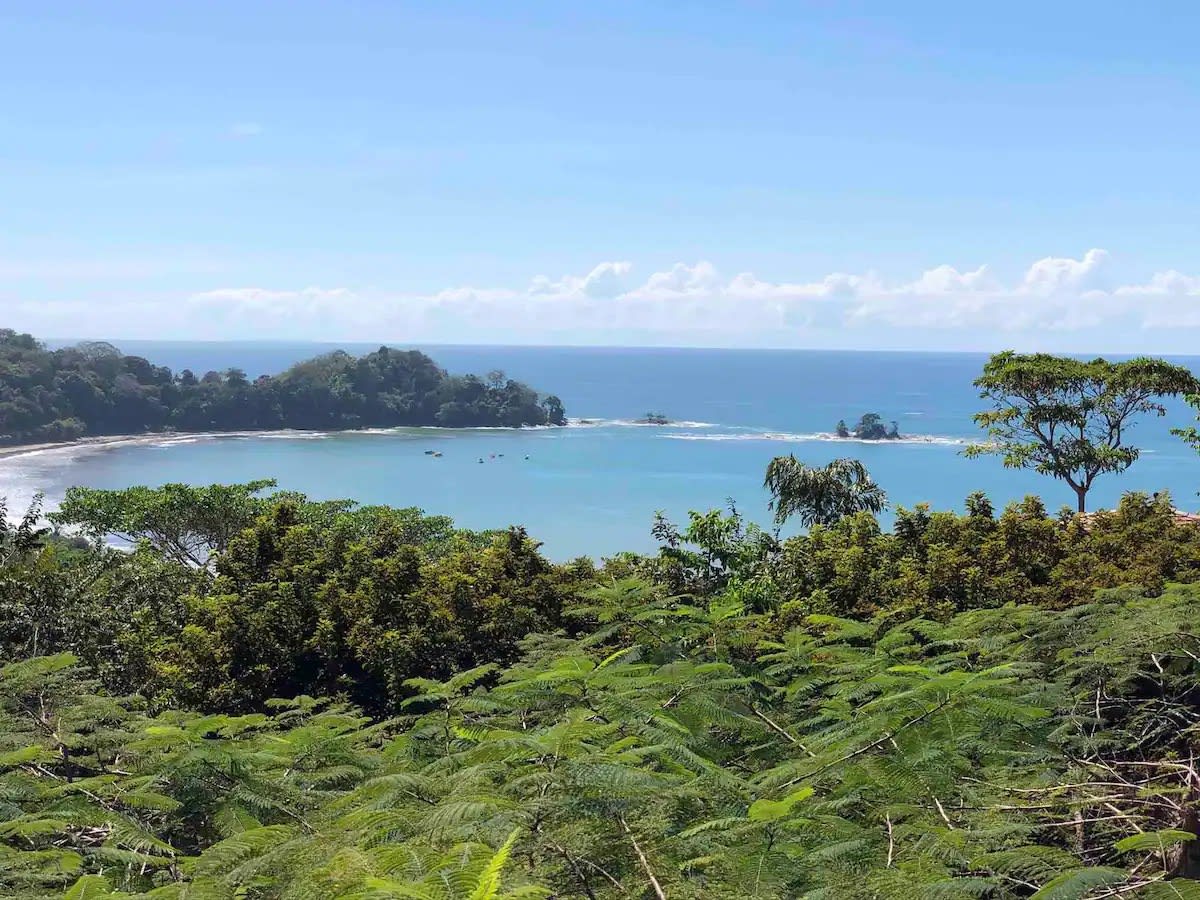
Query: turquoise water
594, 488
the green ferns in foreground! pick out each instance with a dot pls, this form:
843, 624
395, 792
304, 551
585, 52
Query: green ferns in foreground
680, 749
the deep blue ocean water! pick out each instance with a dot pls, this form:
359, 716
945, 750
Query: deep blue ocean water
594, 488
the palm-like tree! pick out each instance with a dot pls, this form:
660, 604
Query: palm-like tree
821, 495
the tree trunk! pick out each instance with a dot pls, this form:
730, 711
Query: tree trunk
1081, 494
1187, 863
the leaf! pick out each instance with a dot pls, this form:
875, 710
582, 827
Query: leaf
488, 886
616, 656
1078, 883
773, 810
1153, 840
32, 827
89, 886
38, 666
1176, 889
32, 753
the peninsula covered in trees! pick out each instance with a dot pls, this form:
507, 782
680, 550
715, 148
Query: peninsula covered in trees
93, 389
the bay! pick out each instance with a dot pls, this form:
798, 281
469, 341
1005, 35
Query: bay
593, 488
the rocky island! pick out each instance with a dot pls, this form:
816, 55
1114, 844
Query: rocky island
653, 418
869, 428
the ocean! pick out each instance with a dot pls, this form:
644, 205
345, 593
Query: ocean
593, 488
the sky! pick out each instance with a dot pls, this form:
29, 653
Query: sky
798, 174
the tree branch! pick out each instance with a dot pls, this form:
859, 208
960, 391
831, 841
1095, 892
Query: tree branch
658, 891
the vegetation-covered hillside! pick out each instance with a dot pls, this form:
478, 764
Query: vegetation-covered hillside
268, 697
92, 389
977, 705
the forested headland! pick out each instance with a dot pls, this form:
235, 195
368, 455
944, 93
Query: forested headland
92, 389
272, 697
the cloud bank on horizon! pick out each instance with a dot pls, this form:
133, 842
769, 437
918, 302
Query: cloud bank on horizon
1059, 303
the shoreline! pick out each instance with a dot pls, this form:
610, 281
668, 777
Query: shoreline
101, 441
8, 452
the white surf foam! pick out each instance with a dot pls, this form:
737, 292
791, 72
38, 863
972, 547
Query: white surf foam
634, 423
809, 437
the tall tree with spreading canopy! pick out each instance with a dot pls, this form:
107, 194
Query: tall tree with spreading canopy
821, 495
1070, 418
184, 523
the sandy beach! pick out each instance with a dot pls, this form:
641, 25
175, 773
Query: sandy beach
144, 438
23, 449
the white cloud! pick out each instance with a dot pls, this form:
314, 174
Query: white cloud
1056, 302
1168, 283
605, 280
1055, 274
948, 281
681, 280
695, 304
1169, 299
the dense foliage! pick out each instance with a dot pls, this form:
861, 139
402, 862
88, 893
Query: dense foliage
932, 563
967, 706
266, 697
92, 389
232, 597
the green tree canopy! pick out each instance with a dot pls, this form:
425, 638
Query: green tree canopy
182, 522
1070, 418
93, 389
870, 428
821, 495
965, 706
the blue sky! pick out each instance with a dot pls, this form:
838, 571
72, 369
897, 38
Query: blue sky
924, 175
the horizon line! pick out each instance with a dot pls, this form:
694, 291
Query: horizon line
396, 345
649, 347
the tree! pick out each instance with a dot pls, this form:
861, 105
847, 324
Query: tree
1069, 418
93, 350
871, 428
713, 550
842, 431
555, 414
184, 523
821, 495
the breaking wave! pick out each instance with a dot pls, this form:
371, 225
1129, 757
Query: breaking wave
809, 437
635, 423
